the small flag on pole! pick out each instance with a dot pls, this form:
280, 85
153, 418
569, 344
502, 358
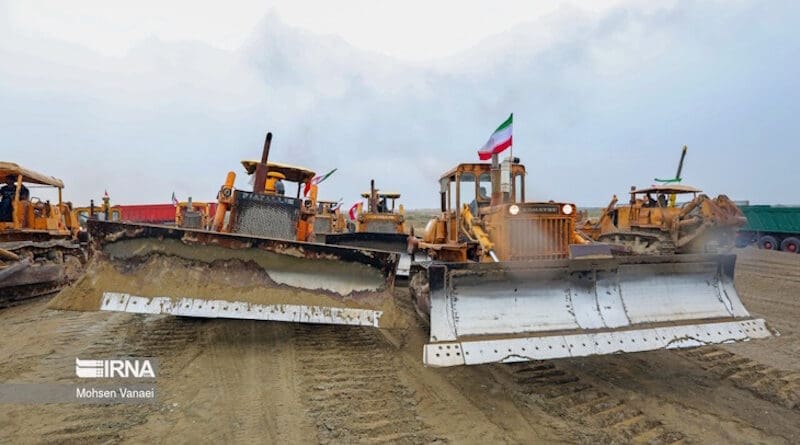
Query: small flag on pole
105, 194
498, 141
317, 180
353, 209
175, 201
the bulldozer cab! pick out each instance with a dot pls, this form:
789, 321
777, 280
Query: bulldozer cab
32, 203
494, 221
386, 201
655, 206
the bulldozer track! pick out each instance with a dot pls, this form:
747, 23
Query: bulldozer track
24, 294
352, 389
561, 392
765, 382
100, 335
84, 425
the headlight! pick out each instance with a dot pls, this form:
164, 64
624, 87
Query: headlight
567, 209
514, 209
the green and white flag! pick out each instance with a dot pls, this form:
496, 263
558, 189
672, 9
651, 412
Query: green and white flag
498, 141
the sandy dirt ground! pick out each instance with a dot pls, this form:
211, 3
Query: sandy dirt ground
248, 381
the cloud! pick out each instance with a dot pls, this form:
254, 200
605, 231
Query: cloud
601, 101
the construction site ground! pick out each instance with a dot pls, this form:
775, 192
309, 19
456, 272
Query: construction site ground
225, 381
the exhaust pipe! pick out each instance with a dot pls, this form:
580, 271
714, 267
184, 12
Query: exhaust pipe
260, 182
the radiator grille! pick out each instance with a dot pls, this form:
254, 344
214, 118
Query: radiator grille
270, 216
322, 224
539, 238
381, 226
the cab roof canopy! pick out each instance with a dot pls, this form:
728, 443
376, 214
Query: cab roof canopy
478, 168
291, 172
668, 189
389, 195
30, 176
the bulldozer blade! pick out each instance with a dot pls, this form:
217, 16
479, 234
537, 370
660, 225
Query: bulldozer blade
514, 311
390, 242
184, 272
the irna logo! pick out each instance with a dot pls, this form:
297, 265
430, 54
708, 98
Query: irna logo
115, 368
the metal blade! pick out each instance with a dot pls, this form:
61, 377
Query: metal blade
551, 309
155, 269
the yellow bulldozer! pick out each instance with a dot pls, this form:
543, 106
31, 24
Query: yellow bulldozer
512, 280
193, 215
254, 263
40, 250
329, 220
654, 223
381, 215
381, 226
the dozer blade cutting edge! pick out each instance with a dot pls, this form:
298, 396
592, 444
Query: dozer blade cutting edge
515, 311
164, 270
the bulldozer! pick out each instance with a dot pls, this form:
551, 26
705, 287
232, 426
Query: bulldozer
40, 251
256, 262
382, 214
381, 226
193, 215
648, 225
513, 280
329, 220
104, 212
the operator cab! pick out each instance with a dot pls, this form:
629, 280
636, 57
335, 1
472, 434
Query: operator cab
519, 230
661, 196
383, 205
29, 207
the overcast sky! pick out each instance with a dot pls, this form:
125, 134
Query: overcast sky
149, 97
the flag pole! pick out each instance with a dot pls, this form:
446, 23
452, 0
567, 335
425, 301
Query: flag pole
511, 148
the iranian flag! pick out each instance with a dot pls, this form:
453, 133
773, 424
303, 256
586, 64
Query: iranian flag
498, 141
316, 180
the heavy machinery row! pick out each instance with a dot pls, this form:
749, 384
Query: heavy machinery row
497, 278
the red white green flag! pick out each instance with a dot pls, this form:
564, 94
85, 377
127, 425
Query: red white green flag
316, 180
498, 141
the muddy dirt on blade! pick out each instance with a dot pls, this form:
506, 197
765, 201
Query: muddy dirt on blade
152, 269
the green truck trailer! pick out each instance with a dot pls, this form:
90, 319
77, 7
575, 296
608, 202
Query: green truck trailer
771, 227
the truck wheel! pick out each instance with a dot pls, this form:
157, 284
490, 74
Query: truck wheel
767, 242
791, 245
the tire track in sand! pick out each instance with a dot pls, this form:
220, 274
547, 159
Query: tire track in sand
164, 338
765, 382
565, 394
353, 390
